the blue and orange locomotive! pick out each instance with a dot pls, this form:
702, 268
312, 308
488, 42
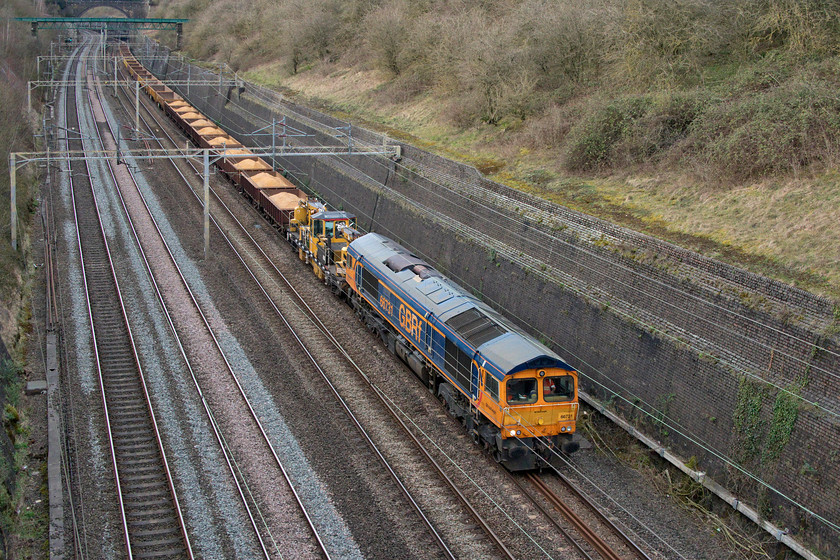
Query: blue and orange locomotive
515, 396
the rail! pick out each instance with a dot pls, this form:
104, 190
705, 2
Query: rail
134, 438
263, 533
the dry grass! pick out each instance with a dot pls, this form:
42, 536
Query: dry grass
783, 228
709, 123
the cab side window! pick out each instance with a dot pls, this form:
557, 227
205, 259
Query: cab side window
370, 283
491, 386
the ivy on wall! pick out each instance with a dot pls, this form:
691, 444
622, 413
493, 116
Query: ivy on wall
749, 426
757, 438
760, 436
785, 413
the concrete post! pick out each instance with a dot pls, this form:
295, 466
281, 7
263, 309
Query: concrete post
206, 204
137, 107
13, 186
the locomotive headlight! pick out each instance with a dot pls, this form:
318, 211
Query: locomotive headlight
513, 432
562, 428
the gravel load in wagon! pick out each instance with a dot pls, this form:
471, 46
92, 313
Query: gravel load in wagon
195, 125
177, 108
252, 183
271, 179
216, 142
220, 142
200, 123
280, 204
184, 121
230, 157
250, 164
211, 132
192, 116
247, 165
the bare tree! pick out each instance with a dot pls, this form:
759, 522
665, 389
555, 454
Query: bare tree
385, 30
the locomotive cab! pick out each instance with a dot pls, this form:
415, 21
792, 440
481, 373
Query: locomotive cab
543, 402
535, 410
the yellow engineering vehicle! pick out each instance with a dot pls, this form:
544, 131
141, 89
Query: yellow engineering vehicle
321, 237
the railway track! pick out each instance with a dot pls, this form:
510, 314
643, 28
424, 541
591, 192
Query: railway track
152, 522
70, 403
590, 534
265, 273
255, 466
632, 547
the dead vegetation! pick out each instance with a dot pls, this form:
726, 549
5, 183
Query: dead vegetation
709, 81
710, 93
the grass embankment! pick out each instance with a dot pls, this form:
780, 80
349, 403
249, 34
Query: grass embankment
712, 124
782, 227
23, 496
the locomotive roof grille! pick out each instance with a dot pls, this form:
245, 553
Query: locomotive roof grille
475, 327
402, 261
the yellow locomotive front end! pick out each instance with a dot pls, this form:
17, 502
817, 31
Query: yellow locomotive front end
535, 411
540, 404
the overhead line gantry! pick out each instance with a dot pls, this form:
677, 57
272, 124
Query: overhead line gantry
109, 24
